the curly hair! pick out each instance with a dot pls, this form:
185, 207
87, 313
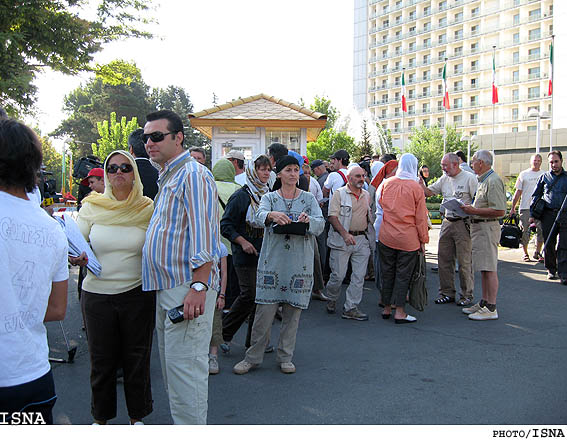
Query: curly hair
20, 156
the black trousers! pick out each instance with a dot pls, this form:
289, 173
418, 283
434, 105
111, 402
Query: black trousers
232, 284
120, 329
396, 271
36, 396
243, 307
555, 259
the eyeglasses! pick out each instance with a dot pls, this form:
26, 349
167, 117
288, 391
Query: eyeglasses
156, 136
124, 168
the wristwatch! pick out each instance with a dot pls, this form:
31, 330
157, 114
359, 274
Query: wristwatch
199, 286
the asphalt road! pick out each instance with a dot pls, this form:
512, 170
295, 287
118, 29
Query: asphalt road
445, 369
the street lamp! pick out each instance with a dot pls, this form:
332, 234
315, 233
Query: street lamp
468, 140
534, 113
63, 164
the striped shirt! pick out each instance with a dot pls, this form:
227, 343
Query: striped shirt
184, 230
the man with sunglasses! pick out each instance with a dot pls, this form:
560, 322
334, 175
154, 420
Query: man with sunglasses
148, 173
180, 262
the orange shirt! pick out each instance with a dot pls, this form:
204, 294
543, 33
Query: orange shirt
404, 225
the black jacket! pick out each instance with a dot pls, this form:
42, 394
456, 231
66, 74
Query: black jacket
233, 224
149, 176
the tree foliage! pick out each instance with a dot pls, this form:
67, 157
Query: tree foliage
364, 147
322, 104
51, 160
328, 142
113, 135
57, 34
426, 144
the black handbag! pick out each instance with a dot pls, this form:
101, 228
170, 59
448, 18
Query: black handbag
417, 289
511, 233
297, 228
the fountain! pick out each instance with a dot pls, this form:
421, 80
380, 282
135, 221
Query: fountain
352, 122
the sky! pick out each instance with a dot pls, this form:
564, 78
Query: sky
290, 49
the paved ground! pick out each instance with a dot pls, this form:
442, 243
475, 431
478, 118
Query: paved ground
445, 369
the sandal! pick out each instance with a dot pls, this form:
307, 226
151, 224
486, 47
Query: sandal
527, 258
465, 302
442, 299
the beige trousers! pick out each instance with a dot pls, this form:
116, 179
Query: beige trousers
183, 350
455, 243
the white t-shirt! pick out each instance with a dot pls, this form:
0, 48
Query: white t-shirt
335, 181
33, 254
463, 187
527, 182
35, 196
240, 179
315, 189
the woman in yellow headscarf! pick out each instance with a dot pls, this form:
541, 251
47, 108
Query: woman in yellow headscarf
119, 316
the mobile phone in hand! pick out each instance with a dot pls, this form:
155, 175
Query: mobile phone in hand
176, 314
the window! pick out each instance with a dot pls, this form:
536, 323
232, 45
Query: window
411, 78
411, 93
397, 81
383, 113
534, 54
534, 34
458, 120
533, 92
440, 121
425, 122
384, 68
411, 62
398, 19
397, 65
385, 23
442, 22
458, 69
426, 11
426, 42
385, 53
427, 26
532, 128
426, 59
426, 90
474, 100
515, 76
457, 103
516, 57
474, 83
457, 86
384, 84
515, 95
426, 76
458, 51
439, 105
397, 127
442, 5
397, 111
474, 30
459, 34
411, 124
411, 15
384, 38
514, 130
412, 30
397, 96
399, 4
442, 39
535, 14
516, 20
439, 89
411, 46
533, 73
398, 50
475, 11
474, 118
425, 107
398, 35
474, 48
385, 98
473, 133
516, 38
458, 17
474, 65
515, 114
442, 55
411, 109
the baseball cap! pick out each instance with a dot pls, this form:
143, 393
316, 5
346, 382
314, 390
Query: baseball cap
235, 154
340, 154
316, 163
97, 171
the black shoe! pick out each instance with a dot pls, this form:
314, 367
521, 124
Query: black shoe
435, 269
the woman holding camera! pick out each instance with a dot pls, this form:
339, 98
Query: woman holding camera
119, 316
292, 220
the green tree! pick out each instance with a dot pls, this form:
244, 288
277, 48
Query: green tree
364, 147
322, 104
426, 144
328, 142
51, 161
57, 34
113, 135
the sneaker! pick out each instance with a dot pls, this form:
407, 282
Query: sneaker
331, 306
213, 365
472, 309
242, 367
138, 423
287, 367
354, 314
484, 314
551, 276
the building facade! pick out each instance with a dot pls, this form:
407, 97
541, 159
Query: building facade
417, 38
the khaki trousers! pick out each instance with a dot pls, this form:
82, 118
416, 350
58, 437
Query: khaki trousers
183, 351
263, 327
358, 255
455, 243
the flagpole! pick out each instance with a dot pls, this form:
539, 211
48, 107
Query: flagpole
493, 103
403, 131
403, 118
445, 110
551, 56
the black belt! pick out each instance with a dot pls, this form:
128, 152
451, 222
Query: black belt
455, 219
357, 233
476, 221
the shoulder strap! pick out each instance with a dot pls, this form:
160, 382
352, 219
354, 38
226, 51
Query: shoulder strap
345, 180
555, 181
223, 205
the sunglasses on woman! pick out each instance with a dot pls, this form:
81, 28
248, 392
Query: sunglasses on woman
156, 136
124, 168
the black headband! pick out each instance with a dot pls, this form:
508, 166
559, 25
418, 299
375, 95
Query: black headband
284, 161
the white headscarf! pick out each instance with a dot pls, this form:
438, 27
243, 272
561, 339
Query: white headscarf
376, 166
407, 167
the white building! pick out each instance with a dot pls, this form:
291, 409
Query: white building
418, 37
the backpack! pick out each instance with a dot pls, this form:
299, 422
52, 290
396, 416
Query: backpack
511, 233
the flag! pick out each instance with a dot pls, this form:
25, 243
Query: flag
404, 103
446, 96
550, 89
494, 88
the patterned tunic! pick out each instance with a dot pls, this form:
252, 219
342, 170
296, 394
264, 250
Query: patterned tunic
285, 264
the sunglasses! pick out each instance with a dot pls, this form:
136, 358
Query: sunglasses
156, 136
124, 168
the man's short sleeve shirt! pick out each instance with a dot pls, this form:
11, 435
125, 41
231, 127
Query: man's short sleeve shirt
527, 182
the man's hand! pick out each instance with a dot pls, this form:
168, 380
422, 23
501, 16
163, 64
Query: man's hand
248, 248
220, 303
469, 209
82, 260
194, 304
279, 218
349, 239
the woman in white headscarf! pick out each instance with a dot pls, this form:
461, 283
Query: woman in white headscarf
403, 233
119, 316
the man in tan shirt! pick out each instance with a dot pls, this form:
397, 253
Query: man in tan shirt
348, 215
489, 204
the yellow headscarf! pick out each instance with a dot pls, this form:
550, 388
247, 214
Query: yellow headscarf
105, 209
